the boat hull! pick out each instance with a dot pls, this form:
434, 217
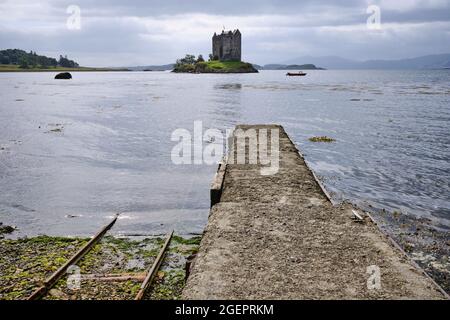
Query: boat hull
292, 74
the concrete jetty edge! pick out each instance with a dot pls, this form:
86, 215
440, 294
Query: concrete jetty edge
280, 237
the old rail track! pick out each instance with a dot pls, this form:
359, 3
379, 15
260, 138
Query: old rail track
146, 278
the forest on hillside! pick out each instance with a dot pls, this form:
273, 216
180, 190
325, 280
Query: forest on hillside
27, 60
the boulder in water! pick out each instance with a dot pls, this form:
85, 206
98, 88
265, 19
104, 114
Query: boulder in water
63, 75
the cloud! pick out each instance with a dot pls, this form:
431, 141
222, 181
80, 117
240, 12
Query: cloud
123, 33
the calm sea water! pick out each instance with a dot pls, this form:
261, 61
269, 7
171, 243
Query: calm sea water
73, 153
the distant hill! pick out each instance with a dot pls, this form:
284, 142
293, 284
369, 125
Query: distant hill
438, 61
163, 67
291, 67
28, 60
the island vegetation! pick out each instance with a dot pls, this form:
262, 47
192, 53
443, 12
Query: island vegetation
190, 64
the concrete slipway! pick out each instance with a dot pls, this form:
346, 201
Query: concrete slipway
279, 237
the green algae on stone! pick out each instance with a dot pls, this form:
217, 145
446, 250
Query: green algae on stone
26, 262
188, 241
322, 139
4, 229
168, 287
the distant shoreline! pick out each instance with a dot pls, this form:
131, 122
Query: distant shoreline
88, 69
12, 68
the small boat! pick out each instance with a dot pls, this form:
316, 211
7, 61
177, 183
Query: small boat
295, 74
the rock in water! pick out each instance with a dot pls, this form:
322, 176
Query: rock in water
4, 229
63, 75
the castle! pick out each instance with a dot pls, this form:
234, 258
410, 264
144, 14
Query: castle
227, 46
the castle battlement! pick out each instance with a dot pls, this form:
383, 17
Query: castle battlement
227, 45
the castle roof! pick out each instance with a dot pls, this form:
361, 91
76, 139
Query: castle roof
229, 32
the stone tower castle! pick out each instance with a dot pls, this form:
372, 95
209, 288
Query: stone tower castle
227, 46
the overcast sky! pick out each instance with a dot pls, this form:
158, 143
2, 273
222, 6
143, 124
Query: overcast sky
144, 32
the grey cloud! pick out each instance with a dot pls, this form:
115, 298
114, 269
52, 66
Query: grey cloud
121, 33
229, 7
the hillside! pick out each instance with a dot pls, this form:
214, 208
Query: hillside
437, 61
16, 60
164, 67
25, 60
16, 68
291, 67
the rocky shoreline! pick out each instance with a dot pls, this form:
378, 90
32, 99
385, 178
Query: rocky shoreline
426, 243
215, 67
4, 230
25, 262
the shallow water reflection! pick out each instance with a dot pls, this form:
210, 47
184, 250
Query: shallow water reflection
74, 153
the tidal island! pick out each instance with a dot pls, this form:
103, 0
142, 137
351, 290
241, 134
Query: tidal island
225, 57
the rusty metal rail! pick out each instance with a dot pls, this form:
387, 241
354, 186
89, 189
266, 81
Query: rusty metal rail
154, 268
53, 279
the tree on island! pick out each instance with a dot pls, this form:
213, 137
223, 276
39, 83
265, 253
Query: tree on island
188, 59
66, 63
23, 63
187, 64
213, 58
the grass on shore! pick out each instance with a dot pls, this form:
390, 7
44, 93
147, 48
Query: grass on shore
225, 65
16, 68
